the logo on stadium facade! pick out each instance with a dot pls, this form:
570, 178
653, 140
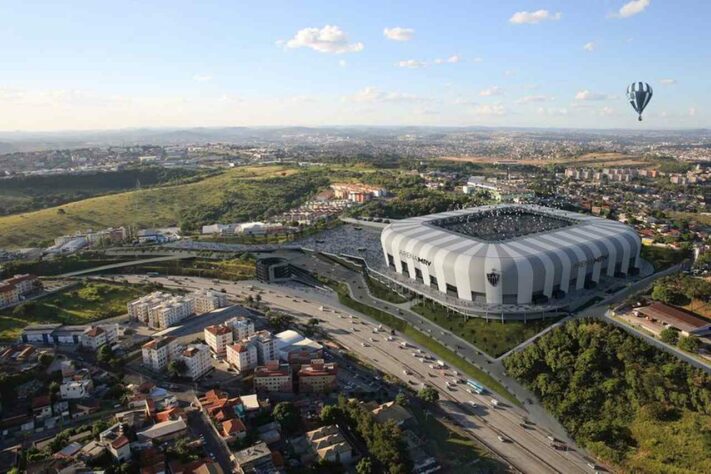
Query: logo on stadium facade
406, 254
493, 276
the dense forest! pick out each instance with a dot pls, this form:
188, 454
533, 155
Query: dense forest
626, 401
29, 193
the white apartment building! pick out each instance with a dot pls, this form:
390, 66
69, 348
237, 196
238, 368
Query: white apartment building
159, 352
208, 300
161, 310
242, 328
218, 337
197, 360
96, 336
266, 345
242, 356
76, 389
171, 312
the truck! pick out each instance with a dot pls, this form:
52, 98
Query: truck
441, 363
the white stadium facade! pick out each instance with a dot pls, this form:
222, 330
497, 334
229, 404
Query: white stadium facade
508, 260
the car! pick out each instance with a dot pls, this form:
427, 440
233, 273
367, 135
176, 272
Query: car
372, 339
502, 439
364, 344
407, 372
473, 404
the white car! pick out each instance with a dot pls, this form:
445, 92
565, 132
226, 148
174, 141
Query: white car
364, 344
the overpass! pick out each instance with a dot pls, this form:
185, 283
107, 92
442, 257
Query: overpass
126, 264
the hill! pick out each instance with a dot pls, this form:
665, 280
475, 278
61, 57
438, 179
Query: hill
239, 194
30, 193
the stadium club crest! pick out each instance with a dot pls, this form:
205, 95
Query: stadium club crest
493, 276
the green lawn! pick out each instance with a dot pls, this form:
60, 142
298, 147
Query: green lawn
493, 337
88, 302
456, 452
228, 269
382, 292
423, 340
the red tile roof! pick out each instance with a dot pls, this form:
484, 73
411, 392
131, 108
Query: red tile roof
233, 426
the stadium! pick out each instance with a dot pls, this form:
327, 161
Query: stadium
509, 259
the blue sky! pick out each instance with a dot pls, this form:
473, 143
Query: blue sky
99, 64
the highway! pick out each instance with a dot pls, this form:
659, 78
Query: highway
527, 448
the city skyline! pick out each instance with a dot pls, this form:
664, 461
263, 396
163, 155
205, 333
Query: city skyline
81, 66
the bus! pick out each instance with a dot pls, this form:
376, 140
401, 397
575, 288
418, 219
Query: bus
476, 387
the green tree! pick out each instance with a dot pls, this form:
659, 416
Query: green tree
287, 415
176, 368
330, 414
689, 344
428, 394
669, 336
666, 294
365, 466
45, 359
104, 354
401, 399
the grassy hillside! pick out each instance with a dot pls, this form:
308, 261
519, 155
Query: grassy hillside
239, 194
30, 193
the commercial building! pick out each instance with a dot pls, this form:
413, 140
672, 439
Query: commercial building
507, 259
92, 336
273, 377
218, 337
159, 352
242, 356
318, 377
291, 342
197, 360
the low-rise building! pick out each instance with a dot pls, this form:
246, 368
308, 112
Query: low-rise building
14, 289
159, 352
76, 387
273, 377
116, 442
95, 336
165, 431
197, 360
255, 459
318, 377
233, 429
242, 328
667, 316
218, 337
329, 444
161, 310
242, 356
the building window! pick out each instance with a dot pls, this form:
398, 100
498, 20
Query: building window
452, 290
404, 267
433, 282
418, 275
391, 261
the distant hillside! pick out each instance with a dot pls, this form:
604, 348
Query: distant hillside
239, 194
30, 193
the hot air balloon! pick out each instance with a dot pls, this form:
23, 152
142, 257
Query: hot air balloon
639, 95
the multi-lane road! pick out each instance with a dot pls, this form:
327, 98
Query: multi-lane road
503, 428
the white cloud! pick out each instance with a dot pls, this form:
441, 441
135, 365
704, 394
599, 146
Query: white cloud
607, 111
329, 39
590, 46
534, 98
588, 95
411, 64
343, 63
552, 111
489, 91
692, 111
667, 82
524, 17
202, 77
490, 109
510, 72
632, 8
374, 95
399, 34
454, 59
